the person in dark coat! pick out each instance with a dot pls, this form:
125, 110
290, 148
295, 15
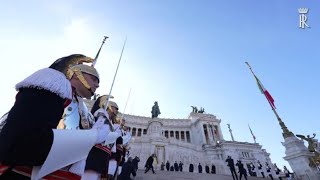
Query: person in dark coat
180, 166
242, 170
162, 166
199, 168
172, 168
207, 169
149, 164
127, 170
135, 163
168, 166
230, 162
176, 166
213, 169
191, 168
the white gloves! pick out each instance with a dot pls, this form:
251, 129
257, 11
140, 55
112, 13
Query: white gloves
111, 138
126, 138
99, 123
101, 112
102, 133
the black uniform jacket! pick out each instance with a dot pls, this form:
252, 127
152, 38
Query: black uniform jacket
27, 136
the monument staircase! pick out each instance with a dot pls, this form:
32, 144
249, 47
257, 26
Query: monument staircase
172, 175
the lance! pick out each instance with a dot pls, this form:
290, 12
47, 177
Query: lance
89, 118
115, 75
98, 53
125, 105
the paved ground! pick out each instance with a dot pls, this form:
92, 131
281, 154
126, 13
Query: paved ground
168, 175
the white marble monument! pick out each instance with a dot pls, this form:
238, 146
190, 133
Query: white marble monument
197, 139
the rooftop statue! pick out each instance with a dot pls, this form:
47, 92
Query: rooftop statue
201, 110
195, 109
155, 110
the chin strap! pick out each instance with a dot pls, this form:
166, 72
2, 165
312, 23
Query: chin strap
80, 76
82, 79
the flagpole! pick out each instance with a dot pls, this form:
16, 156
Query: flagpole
285, 131
254, 138
230, 132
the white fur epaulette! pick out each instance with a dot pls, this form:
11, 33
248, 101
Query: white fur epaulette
48, 79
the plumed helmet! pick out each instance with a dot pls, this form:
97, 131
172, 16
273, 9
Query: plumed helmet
73, 64
69, 64
99, 103
84, 69
103, 100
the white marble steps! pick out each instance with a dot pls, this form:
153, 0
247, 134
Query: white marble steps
169, 175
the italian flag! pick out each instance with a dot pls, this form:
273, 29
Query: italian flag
266, 93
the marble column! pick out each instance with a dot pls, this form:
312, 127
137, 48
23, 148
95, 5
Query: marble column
203, 135
220, 133
209, 134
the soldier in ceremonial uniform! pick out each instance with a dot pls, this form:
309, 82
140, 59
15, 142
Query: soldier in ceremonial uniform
29, 140
118, 152
99, 156
115, 159
125, 146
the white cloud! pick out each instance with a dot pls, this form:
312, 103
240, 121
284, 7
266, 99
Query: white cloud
78, 32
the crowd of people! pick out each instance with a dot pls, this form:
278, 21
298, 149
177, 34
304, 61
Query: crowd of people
179, 167
253, 171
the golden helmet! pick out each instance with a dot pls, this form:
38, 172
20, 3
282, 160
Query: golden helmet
74, 63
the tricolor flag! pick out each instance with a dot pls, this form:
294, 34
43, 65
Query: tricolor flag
254, 137
263, 90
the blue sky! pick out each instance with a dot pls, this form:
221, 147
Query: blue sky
180, 53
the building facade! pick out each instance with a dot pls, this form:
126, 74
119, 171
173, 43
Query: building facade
195, 140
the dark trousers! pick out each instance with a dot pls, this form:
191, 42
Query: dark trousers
148, 168
234, 174
270, 175
244, 174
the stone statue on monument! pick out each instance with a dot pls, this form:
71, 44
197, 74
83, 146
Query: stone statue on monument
312, 143
194, 109
155, 110
201, 110
313, 146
